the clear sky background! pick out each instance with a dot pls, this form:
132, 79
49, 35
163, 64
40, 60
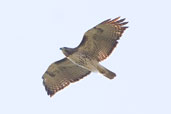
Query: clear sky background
32, 31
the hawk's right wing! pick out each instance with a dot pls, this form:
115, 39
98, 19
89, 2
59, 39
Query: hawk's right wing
60, 74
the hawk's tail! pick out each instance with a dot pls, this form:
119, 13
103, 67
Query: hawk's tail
109, 74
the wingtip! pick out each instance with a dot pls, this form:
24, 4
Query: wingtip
124, 23
50, 93
121, 20
115, 19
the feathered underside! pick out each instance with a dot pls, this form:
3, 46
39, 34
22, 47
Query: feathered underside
100, 41
60, 74
97, 44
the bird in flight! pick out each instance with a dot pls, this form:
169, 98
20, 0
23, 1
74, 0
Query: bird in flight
96, 45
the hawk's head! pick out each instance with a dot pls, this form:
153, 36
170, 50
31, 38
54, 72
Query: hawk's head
67, 51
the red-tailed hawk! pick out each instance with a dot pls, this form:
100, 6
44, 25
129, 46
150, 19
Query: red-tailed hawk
97, 45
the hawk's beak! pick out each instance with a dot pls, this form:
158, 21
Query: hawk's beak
60, 48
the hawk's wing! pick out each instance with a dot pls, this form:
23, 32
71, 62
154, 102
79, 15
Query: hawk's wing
60, 74
100, 41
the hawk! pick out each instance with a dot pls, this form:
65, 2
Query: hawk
96, 45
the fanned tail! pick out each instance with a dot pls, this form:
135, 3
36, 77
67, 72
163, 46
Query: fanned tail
107, 73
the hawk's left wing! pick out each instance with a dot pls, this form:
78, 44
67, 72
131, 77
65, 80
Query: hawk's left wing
60, 74
100, 41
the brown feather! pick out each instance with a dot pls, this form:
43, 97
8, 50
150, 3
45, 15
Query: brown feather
60, 74
100, 41
121, 20
114, 20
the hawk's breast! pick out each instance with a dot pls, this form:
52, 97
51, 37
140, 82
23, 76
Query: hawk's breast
83, 60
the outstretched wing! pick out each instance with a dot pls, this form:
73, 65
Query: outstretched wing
60, 74
100, 41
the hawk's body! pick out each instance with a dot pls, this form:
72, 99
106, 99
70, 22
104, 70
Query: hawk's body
97, 45
83, 60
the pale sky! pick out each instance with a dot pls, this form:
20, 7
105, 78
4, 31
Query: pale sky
32, 31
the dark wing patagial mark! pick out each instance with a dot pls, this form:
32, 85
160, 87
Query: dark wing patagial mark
84, 40
60, 74
99, 29
50, 73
